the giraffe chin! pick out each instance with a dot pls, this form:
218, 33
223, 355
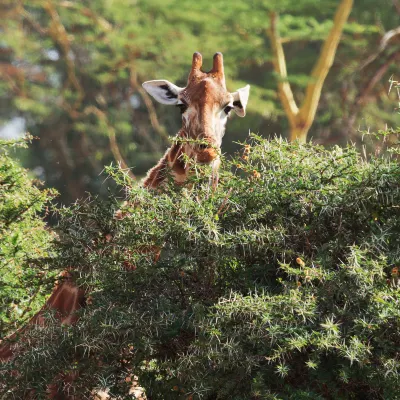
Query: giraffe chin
206, 156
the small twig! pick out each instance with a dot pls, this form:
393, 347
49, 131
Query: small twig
112, 138
149, 105
361, 98
103, 23
31, 21
221, 208
376, 78
37, 291
59, 34
387, 37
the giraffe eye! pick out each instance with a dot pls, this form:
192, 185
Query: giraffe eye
227, 109
182, 107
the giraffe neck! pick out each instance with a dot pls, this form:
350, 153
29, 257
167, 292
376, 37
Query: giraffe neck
65, 300
172, 163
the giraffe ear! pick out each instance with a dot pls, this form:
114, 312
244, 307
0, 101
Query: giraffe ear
240, 98
163, 91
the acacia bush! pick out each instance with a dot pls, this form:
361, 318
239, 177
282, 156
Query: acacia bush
24, 242
283, 283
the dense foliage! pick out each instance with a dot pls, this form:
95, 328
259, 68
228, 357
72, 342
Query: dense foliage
281, 284
24, 241
72, 72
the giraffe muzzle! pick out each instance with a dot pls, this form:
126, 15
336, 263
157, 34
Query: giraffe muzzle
206, 152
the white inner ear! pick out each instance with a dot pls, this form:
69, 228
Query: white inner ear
240, 99
163, 91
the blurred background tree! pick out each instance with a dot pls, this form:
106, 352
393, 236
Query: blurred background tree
71, 74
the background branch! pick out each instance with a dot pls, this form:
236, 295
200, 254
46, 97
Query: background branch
321, 69
284, 89
149, 105
301, 119
112, 138
386, 38
59, 34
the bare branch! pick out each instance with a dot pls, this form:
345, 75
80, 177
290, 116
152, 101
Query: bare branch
323, 65
59, 34
386, 38
112, 138
148, 103
284, 89
102, 22
396, 4
301, 119
376, 78
31, 21
373, 81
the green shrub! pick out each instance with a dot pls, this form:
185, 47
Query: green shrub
281, 284
24, 241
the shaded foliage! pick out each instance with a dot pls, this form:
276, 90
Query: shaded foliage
282, 283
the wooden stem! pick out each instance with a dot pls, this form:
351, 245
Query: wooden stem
301, 119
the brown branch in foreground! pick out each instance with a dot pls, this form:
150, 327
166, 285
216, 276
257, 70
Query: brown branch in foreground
301, 119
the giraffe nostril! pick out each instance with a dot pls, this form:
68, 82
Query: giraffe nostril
203, 146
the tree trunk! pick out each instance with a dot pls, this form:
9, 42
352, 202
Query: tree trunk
301, 119
299, 132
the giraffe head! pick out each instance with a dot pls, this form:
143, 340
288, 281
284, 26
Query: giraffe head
205, 105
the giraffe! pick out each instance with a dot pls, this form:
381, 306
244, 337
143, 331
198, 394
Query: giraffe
205, 105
